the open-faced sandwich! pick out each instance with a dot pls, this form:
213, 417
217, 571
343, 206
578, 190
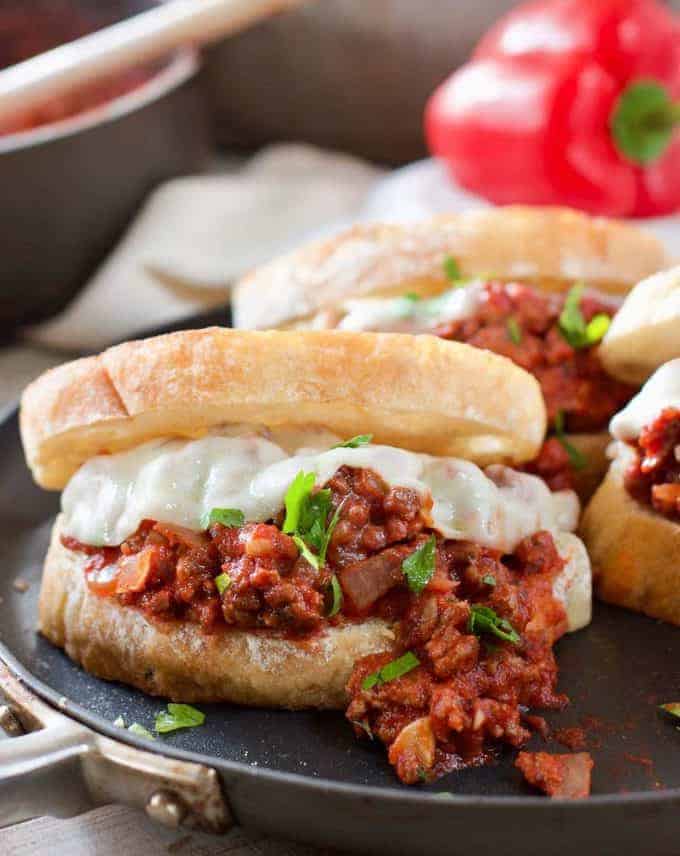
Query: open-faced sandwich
537, 285
300, 519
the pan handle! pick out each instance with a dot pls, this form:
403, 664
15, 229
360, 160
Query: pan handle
52, 765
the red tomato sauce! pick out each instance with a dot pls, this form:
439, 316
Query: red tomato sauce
653, 478
26, 32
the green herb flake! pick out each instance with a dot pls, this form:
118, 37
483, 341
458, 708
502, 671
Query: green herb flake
178, 716
391, 671
337, 598
140, 731
223, 581
578, 460
306, 518
573, 326
306, 553
483, 619
412, 296
597, 327
514, 331
451, 269
296, 495
364, 726
671, 708
355, 442
489, 580
420, 565
225, 516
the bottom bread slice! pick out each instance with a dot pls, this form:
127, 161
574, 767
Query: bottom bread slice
635, 552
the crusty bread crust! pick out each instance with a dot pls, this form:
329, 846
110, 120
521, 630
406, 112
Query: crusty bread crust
645, 332
182, 663
421, 393
551, 247
635, 552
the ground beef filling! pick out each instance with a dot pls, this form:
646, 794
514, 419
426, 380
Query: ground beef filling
471, 689
653, 478
572, 380
470, 692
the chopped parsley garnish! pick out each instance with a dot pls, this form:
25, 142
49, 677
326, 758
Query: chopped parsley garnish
451, 269
336, 597
412, 296
354, 442
364, 726
483, 619
178, 716
298, 491
225, 516
672, 708
578, 460
489, 580
306, 553
419, 566
223, 581
573, 326
306, 518
514, 331
391, 671
140, 731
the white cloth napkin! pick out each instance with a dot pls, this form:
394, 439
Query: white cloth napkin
195, 236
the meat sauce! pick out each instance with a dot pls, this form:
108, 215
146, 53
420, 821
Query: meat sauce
470, 690
653, 478
572, 379
561, 776
25, 32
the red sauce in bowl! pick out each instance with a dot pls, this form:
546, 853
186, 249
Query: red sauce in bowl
26, 32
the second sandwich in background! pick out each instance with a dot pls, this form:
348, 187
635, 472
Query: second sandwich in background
537, 285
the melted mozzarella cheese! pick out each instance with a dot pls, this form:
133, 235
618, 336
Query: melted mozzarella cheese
401, 314
179, 481
661, 391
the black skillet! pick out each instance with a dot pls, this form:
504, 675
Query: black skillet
304, 776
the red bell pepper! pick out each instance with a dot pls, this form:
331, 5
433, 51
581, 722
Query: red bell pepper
571, 102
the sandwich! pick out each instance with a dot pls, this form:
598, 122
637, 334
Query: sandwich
645, 333
537, 285
632, 524
311, 519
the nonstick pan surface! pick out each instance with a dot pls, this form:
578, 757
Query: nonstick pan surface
305, 776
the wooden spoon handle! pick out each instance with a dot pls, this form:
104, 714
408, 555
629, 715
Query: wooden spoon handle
143, 37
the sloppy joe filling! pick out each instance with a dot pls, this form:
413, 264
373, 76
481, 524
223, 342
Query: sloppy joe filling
521, 323
478, 621
653, 476
650, 425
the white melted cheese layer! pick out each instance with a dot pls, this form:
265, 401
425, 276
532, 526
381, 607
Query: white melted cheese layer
401, 314
660, 392
179, 481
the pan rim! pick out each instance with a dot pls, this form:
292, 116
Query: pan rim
400, 795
